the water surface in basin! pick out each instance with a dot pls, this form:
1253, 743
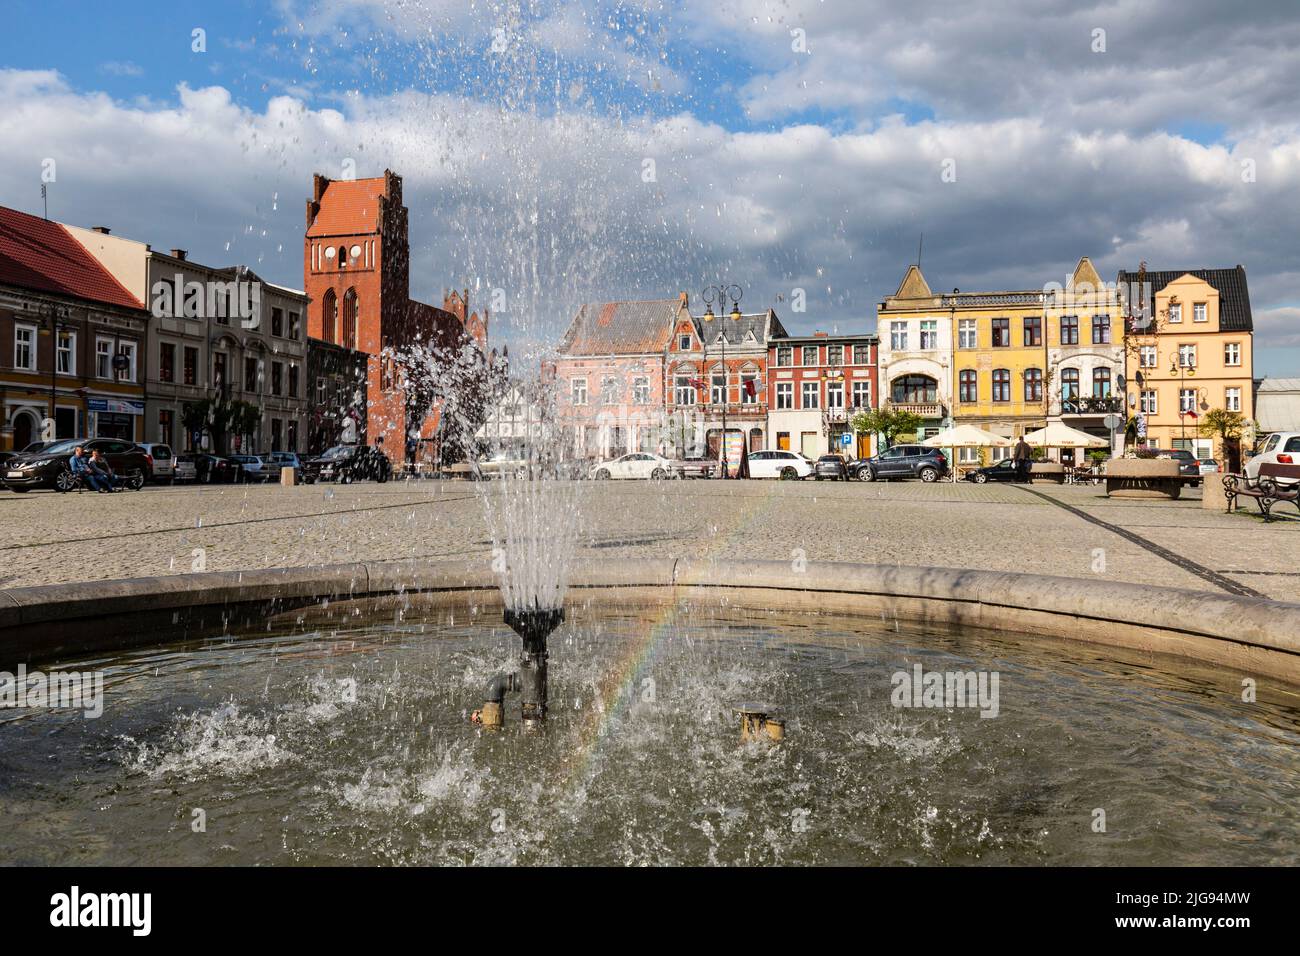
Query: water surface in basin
352, 744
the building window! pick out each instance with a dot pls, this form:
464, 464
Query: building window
127, 349
1101, 382
809, 358
277, 378
785, 394
320, 391
748, 388
1001, 333
25, 347
293, 435
684, 343
1232, 353
683, 391
784, 356
351, 309
608, 390
295, 321
834, 355
1148, 403
218, 369
66, 355
329, 317
166, 362
1033, 385
1101, 330
1175, 312
811, 395
641, 390
862, 355
1001, 384
968, 385
966, 334
1033, 330
277, 322
275, 434
1069, 387
834, 394
914, 390
1186, 400
898, 336
929, 334
1232, 399
1187, 356
1069, 330
1199, 313
861, 394
191, 370
578, 390
718, 388
251, 383
165, 427
293, 381
1147, 356
103, 358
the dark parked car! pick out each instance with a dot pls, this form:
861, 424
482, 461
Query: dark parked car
831, 467
210, 469
348, 463
1004, 470
901, 461
1188, 466
36, 446
48, 468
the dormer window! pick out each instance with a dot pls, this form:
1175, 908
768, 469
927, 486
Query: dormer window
684, 343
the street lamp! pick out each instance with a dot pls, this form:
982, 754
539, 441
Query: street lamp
1183, 371
721, 294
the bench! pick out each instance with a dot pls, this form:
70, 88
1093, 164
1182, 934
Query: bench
1265, 489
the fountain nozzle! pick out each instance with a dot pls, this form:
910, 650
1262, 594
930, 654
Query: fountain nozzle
533, 625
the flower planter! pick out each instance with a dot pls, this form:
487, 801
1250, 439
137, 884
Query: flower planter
1047, 471
1143, 478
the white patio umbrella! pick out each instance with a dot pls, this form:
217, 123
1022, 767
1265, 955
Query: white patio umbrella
1060, 435
966, 436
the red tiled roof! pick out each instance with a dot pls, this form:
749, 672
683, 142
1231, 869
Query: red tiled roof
620, 328
41, 255
348, 207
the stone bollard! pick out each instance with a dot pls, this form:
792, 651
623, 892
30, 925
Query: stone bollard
1212, 496
288, 477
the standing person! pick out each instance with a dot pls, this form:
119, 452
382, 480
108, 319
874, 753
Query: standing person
1022, 456
103, 471
79, 465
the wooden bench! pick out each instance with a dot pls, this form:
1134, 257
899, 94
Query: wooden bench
1265, 489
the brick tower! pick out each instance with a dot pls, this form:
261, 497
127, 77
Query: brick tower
356, 269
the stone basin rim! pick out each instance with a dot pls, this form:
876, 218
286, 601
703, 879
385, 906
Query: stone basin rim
1252, 635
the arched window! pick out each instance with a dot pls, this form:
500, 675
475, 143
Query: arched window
343, 257
1002, 385
329, 312
1033, 384
914, 390
1101, 382
349, 338
968, 386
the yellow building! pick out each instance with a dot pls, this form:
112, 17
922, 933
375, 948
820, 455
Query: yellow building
1000, 380
1188, 352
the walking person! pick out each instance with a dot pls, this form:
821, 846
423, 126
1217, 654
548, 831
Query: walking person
1023, 458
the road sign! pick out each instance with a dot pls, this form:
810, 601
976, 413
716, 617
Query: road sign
1113, 422
846, 439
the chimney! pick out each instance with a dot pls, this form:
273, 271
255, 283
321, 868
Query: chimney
819, 334
102, 230
179, 254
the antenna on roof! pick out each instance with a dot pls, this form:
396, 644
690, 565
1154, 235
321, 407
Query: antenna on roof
45, 199
920, 244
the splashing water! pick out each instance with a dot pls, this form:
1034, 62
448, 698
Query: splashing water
534, 524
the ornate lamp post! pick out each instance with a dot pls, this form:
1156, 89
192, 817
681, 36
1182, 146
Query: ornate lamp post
1175, 365
721, 294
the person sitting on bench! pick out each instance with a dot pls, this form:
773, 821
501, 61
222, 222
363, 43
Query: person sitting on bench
102, 471
79, 465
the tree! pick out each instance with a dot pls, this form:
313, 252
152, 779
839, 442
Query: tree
887, 422
1228, 427
243, 419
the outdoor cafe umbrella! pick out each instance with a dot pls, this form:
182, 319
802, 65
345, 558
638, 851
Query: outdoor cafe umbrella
966, 436
1060, 435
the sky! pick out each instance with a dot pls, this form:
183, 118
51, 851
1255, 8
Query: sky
561, 152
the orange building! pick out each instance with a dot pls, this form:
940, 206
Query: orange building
356, 269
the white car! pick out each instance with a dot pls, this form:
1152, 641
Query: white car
778, 463
1281, 448
639, 464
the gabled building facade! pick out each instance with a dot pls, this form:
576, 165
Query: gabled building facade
1190, 351
816, 384
915, 328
